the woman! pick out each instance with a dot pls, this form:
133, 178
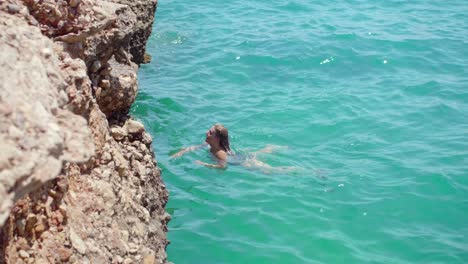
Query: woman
217, 137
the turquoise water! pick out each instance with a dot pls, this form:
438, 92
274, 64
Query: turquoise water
371, 99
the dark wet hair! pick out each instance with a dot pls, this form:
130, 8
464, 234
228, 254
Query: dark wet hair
223, 135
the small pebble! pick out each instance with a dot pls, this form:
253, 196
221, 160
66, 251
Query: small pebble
105, 84
74, 3
47, 53
23, 254
149, 259
13, 9
95, 66
40, 228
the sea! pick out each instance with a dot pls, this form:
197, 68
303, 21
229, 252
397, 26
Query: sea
361, 105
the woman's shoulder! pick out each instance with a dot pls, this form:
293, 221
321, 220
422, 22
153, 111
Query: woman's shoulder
221, 154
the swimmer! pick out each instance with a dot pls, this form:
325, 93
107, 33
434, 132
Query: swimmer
217, 138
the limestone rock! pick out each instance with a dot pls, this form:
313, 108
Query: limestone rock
38, 133
23, 254
13, 9
134, 127
119, 133
147, 139
74, 3
122, 90
142, 27
146, 58
77, 242
68, 78
149, 259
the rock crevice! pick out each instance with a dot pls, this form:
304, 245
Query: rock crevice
78, 178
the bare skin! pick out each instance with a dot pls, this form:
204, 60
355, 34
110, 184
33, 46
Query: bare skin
215, 148
213, 139
254, 163
187, 149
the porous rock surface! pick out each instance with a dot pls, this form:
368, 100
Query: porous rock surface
78, 178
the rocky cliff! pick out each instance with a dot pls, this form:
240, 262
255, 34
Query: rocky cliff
78, 178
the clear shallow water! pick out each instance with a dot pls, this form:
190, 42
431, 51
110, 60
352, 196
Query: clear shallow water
371, 97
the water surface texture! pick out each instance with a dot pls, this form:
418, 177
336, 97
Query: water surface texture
371, 99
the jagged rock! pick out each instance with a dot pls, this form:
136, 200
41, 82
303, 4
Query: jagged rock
23, 254
133, 249
12, 8
77, 242
119, 133
73, 205
44, 133
64, 254
143, 148
146, 138
106, 157
31, 221
143, 25
149, 259
39, 229
120, 163
134, 127
122, 90
62, 184
148, 158
95, 66
74, 3
105, 84
138, 156
21, 226
146, 58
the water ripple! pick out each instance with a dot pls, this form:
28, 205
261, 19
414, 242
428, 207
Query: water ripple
370, 98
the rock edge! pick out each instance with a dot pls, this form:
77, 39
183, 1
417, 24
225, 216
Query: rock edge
78, 178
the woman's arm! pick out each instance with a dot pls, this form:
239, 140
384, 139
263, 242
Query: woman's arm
216, 166
187, 149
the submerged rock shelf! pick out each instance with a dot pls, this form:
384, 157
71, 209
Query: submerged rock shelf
78, 178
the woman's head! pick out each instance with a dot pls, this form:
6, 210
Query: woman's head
218, 134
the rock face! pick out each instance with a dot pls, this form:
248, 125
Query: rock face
78, 179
